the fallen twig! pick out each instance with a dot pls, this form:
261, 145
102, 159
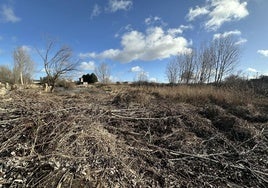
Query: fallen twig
115, 116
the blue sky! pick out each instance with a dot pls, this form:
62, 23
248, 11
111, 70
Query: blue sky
134, 36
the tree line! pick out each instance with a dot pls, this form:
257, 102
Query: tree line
58, 62
23, 68
211, 63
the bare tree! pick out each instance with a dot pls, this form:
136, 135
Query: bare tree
217, 59
142, 76
172, 71
103, 73
187, 64
57, 63
23, 65
204, 64
225, 55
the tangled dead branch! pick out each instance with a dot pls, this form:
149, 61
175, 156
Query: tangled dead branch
89, 140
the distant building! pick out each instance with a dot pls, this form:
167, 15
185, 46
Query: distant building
81, 81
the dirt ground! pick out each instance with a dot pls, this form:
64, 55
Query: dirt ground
102, 137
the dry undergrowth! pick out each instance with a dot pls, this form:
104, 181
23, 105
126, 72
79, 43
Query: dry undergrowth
133, 137
203, 94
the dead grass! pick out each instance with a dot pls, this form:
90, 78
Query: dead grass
200, 95
112, 136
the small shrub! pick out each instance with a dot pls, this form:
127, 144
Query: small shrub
132, 96
65, 84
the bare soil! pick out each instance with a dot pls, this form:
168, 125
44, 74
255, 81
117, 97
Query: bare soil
101, 137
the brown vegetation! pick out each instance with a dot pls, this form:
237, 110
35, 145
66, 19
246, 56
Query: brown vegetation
123, 136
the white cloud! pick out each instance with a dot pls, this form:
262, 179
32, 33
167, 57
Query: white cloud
252, 70
179, 30
7, 14
136, 69
198, 11
175, 31
154, 21
184, 27
241, 41
87, 55
153, 79
226, 34
225, 11
154, 44
96, 11
158, 22
263, 52
116, 5
151, 19
219, 11
111, 7
26, 48
108, 54
87, 65
127, 28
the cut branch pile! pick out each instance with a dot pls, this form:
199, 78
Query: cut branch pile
91, 140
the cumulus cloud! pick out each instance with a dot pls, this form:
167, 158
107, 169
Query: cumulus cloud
116, 5
225, 11
154, 44
263, 52
87, 65
218, 12
7, 14
96, 11
252, 70
136, 69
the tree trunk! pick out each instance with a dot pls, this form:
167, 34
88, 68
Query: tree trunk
52, 88
21, 78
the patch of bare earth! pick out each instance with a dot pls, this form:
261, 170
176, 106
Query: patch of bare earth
128, 138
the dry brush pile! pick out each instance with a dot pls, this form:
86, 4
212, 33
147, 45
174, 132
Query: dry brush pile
131, 138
